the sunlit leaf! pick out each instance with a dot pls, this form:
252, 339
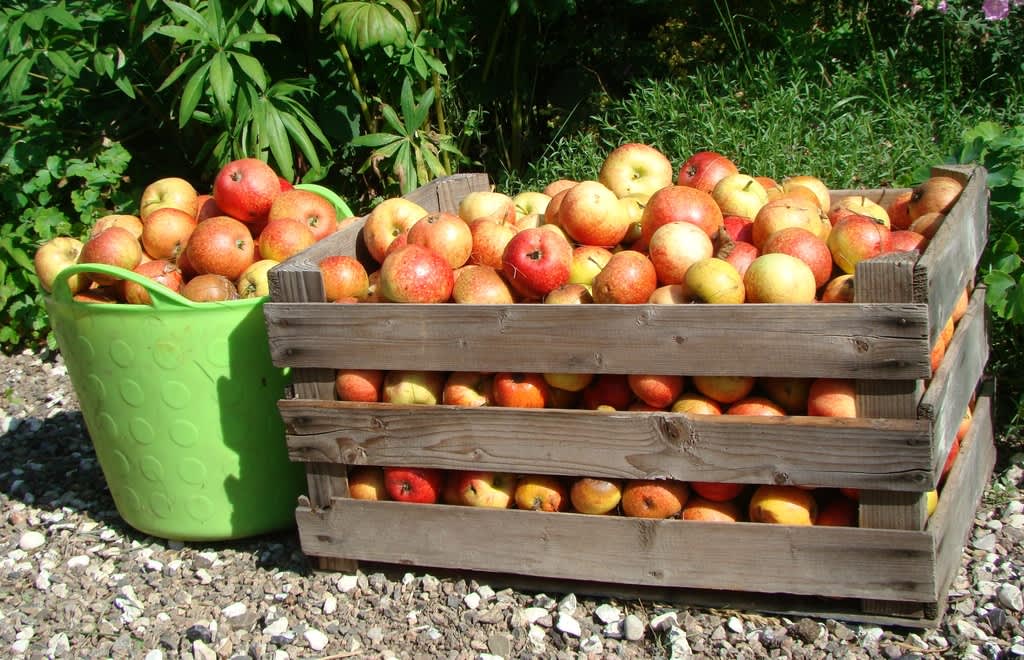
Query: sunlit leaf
365, 25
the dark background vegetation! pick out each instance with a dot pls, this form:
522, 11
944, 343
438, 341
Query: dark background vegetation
100, 97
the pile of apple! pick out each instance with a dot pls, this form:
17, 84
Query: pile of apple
641, 232
208, 247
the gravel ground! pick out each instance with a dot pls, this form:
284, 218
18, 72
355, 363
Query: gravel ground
76, 582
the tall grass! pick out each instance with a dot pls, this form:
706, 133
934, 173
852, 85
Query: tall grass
842, 128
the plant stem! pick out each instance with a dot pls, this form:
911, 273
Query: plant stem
371, 124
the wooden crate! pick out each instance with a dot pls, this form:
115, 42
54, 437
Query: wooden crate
895, 568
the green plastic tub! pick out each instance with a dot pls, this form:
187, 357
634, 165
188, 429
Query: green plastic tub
180, 400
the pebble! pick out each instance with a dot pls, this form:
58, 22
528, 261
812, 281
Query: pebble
735, 624
316, 639
1009, 596
234, 610
31, 540
664, 622
330, 604
347, 583
607, 613
633, 628
472, 601
569, 625
985, 542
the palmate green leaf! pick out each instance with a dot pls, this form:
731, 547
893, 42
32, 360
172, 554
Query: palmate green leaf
365, 25
192, 94
222, 82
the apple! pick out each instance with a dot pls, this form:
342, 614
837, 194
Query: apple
937, 194
717, 491
362, 385
489, 240
366, 482
610, 391
169, 192
628, 278
669, 294
485, 489
245, 189
839, 289
676, 246
739, 254
209, 287
779, 278
344, 277
166, 231
444, 233
590, 214
470, 389
656, 390
551, 210
254, 281
413, 484
104, 295
206, 207
856, 238
633, 206
654, 498
739, 228
704, 169
309, 208
783, 505
541, 492
756, 406
714, 281
558, 186
805, 246
739, 194
898, 210
415, 274
680, 204
832, 397
529, 202
529, 221
704, 510
115, 246
858, 205
635, 168
536, 262
789, 392
906, 240
587, 262
388, 220
130, 222
221, 245
724, 389
569, 382
283, 238
521, 390
771, 186
55, 255
692, 403
595, 496
927, 224
481, 285
569, 294
838, 511
411, 387
960, 308
161, 271
487, 204
782, 213
814, 185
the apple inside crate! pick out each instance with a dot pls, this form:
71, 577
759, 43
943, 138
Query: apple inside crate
896, 566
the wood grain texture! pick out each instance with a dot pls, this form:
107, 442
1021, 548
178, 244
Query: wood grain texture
957, 378
953, 519
887, 454
857, 341
819, 560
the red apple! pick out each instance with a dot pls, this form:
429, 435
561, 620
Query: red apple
530, 202
412, 484
757, 406
714, 281
389, 219
569, 294
220, 245
470, 389
635, 168
675, 247
521, 390
245, 189
905, 240
669, 294
790, 393
739, 228
595, 496
805, 246
590, 214
898, 210
813, 184
587, 262
344, 277
444, 233
739, 254
481, 285
209, 287
858, 205
307, 207
717, 491
366, 482
558, 186
656, 390
536, 262
489, 240
654, 498
839, 289
415, 274
704, 169
115, 246
832, 397
855, 238
608, 390
363, 385
628, 278
169, 192
782, 213
692, 403
680, 204
937, 194
166, 231
724, 389
161, 271
130, 222
487, 204
739, 194
927, 224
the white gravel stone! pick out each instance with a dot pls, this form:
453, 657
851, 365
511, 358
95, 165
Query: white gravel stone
486, 593
20, 646
568, 604
347, 583
735, 624
537, 634
316, 639
986, 542
43, 581
200, 651
58, 646
330, 604
664, 621
606, 613
633, 628
471, 600
31, 540
533, 614
680, 644
234, 610
204, 576
155, 654
1009, 596
614, 630
567, 624
970, 631
592, 644
78, 561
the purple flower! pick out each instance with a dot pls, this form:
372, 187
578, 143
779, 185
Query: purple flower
997, 10
943, 7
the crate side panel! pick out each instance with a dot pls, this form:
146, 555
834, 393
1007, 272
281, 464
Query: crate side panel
748, 556
878, 453
877, 341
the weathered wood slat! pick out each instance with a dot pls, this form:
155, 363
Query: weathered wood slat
953, 519
889, 454
877, 341
814, 560
956, 379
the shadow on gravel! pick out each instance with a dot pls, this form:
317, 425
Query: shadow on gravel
50, 464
